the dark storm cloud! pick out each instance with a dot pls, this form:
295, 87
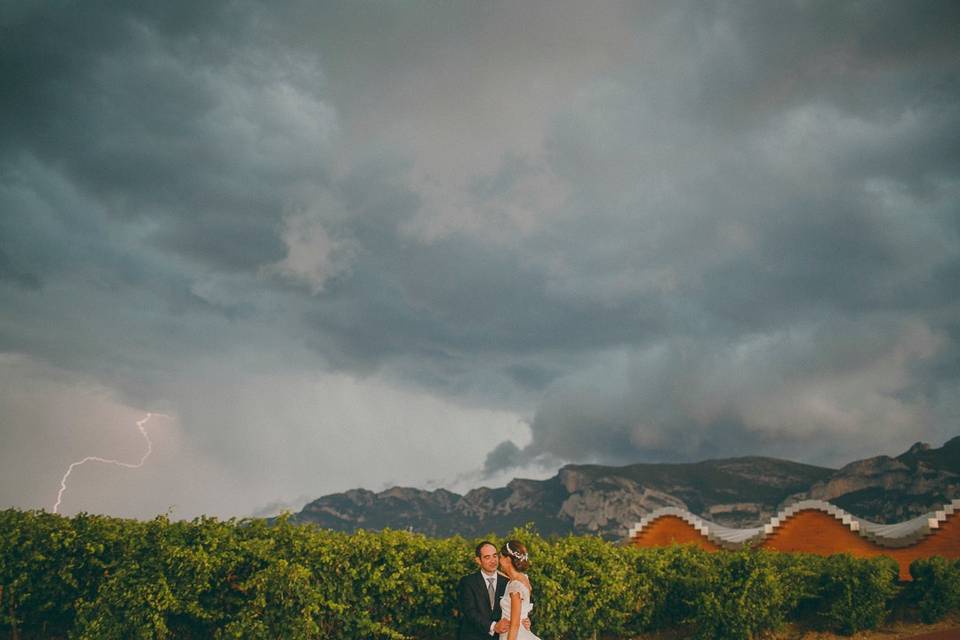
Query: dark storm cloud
798, 393
120, 100
12, 274
658, 231
505, 455
149, 159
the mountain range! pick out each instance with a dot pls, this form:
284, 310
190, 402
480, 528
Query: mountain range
607, 500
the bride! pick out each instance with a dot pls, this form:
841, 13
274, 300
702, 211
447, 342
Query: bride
514, 561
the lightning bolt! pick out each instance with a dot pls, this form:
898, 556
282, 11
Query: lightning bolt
127, 465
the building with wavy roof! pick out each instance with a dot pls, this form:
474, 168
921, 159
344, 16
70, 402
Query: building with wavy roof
812, 526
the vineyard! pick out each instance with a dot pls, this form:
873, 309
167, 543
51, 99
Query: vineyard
98, 577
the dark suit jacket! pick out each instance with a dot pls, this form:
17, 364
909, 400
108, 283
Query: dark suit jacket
474, 604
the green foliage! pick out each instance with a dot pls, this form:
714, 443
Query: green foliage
935, 590
682, 575
855, 593
97, 577
723, 595
130, 604
283, 600
746, 596
582, 584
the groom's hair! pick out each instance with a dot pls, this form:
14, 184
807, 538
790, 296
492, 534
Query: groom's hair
482, 545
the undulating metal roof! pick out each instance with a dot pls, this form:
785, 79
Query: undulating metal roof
902, 534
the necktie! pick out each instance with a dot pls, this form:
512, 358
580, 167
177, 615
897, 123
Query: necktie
490, 590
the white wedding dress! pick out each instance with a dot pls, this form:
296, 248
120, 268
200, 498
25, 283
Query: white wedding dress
515, 586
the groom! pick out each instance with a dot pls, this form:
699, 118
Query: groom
479, 595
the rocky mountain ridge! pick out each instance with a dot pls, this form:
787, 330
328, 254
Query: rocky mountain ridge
596, 499
885, 489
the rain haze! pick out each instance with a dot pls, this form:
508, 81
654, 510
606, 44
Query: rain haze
444, 244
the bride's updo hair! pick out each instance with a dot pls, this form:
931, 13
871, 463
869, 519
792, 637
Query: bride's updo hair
517, 552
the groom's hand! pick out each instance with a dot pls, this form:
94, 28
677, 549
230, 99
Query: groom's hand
503, 625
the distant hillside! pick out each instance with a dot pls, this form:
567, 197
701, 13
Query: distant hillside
738, 492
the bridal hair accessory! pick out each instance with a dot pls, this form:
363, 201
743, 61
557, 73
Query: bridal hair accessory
522, 557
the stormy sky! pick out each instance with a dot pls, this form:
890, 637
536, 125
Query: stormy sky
365, 243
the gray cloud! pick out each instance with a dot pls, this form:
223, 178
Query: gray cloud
661, 231
813, 393
506, 455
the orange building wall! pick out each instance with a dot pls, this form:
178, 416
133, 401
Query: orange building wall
668, 530
813, 531
817, 532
